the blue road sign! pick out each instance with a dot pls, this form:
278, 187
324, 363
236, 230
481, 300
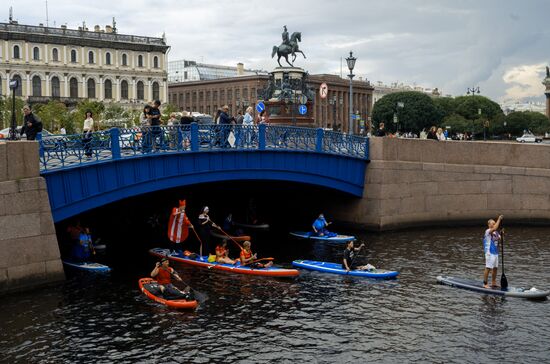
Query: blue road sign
260, 106
302, 109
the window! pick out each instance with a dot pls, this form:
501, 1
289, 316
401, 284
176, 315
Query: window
156, 93
124, 90
19, 89
108, 89
140, 90
36, 86
140, 61
55, 55
107, 58
90, 57
124, 60
73, 56
56, 88
91, 88
185, 75
36, 54
73, 88
156, 62
16, 52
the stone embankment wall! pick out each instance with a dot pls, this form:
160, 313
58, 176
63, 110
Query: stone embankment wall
412, 182
29, 252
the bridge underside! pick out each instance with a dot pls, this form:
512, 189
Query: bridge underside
76, 190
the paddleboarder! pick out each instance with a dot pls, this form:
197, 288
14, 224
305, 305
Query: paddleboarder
163, 274
490, 247
83, 247
320, 226
179, 224
350, 253
222, 253
205, 226
248, 258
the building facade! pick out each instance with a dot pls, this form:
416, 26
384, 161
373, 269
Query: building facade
240, 92
187, 71
381, 90
70, 65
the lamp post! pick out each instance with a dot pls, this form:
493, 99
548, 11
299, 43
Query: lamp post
333, 101
14, 84
472, 91
351, 64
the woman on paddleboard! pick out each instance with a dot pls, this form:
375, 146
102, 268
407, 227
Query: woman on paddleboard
205, 226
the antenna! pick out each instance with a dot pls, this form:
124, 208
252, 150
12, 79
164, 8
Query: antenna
47, 22
114, 25
11, 14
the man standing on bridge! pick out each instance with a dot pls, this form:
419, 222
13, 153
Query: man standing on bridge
32, 124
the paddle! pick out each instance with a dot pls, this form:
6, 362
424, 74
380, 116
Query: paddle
229, 236
355, 256
257, 260
503, 280
200, 241
198, 295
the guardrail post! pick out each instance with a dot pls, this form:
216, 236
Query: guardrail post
319, 143
367, 148
115, 142
194, 137
179, 138
261, 136
40, 145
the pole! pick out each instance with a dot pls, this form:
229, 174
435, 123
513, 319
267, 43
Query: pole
13, 127
350, 130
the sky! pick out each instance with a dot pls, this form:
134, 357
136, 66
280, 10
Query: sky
502, 46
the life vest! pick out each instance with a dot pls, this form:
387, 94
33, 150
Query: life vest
163, 276
178, 225
246, 254
220, 251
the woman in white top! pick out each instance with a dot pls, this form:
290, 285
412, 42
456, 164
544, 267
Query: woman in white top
87, 131
248, 125
440, 135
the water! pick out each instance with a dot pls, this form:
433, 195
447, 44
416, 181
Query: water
316, 318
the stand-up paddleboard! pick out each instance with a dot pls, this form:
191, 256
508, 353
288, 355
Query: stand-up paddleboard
335, 268
148, 286
202, 261
475, 285
253, 226
310, 235
236, 238
87, 266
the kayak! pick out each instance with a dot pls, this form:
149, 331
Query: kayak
202, 261
309, 235
236, 238
253, 226
336, 268
475, 285
87, 266
148, 284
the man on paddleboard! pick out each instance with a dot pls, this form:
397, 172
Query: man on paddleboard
349, 258
320, 226
490, 247
163, 274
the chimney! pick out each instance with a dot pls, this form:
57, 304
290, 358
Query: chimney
97, 28
240, 69
108, 29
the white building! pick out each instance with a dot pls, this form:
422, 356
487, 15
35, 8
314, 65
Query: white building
187, 71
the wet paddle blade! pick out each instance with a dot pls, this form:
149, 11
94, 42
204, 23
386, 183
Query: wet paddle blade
503, 281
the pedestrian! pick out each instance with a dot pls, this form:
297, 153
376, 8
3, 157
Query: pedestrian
155, 121
248, 125
145, 129
225, 125
32, 125
63, 131
490, 247
432, 133
87, 131
263, 118
240, 118
381, 131
440, 135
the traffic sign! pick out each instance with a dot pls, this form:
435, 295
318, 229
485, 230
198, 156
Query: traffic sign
260, 106
323, 90
302, 109
303, 99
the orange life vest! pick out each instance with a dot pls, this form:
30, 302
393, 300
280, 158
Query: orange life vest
246, 254
163, 276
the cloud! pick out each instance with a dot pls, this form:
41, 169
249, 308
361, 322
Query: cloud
524, 81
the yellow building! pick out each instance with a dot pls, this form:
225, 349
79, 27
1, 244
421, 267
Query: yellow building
72, 64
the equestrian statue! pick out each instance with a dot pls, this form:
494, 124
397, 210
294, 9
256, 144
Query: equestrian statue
288, 47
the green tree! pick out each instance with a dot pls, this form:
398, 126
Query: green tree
518, 121
418, 111
6, 111
54, 115
445, 106
470, 107
457, 123
79, 114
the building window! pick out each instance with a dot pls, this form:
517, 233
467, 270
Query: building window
55, 55
36, 54
215, 95
155, 62
124, 60
56, 88
185, 75
90, 57
107, 58
108, 89
140, 61
180, 103
19, 89
36, 86
124, 90
229, 95
91, 88
16, 52
73, 56
73, 88
156, 93
140, 90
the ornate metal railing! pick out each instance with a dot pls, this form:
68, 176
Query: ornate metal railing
62, 151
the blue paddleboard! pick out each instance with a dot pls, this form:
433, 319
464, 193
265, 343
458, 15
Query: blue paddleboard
336, 268
310, 235
87, 266
477, 285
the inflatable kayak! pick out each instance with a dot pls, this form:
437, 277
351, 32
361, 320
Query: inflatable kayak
223, 236
202, 261
148, 286
475, 285
310, 235
87, 266
253, 226
336, 268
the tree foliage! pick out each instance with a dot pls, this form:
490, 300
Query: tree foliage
518, 121
474, 107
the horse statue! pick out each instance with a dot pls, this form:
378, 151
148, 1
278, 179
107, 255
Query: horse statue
291, 48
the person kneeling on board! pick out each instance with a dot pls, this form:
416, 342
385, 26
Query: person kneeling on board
222, 253
163, 275
248, 258
490, 247
350, 253
83, 246
320, 227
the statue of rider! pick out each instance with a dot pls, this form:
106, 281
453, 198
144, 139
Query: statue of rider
285, 36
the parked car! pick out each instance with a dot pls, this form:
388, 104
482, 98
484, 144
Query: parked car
5, 133
529, 138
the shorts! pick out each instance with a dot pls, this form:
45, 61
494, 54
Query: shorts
491, 261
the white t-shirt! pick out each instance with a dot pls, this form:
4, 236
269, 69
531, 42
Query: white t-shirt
88, 125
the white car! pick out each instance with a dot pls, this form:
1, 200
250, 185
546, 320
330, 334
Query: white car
529, 138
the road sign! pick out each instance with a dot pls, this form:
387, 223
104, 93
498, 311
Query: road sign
302, 109
303, 99
323, 90
260, 106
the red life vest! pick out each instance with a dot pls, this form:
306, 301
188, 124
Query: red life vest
220, 251
164, 276
246, 254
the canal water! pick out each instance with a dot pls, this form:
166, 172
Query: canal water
315, 318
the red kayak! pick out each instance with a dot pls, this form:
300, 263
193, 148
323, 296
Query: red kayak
146, 283
202, 261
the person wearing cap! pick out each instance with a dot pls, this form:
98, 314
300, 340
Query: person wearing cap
205, 227
163, 275
320, 226
248, 258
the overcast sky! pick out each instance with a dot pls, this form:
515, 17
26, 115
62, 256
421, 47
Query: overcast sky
502, 46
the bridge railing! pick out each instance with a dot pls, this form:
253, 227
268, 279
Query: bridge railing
62, 151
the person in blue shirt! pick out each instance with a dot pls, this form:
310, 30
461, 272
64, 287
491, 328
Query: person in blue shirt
490, 247
83, 247
320, 226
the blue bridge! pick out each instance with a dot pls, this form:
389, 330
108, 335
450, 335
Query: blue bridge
87, 171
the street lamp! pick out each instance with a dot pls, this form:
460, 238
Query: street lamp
14, 84
351, 64
473, 91
398, 106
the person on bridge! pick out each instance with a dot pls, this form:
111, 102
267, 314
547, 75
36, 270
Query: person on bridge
249, 259
87, 131
350, 253
205, 227
156, 131
145, 129
163, 275
225, 122
381, 131
179, 224
222, 253
32, 125
490, 247
320, 226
